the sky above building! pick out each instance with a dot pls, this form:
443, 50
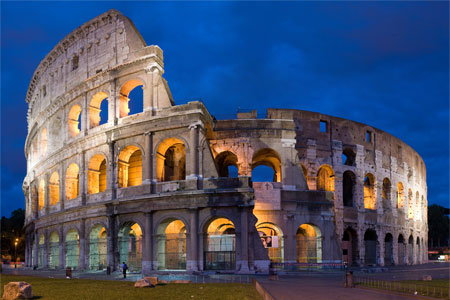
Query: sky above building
380, 63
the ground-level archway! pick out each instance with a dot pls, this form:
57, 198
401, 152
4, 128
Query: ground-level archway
130, 245
220, 245
41, 254
273, 240
97, 248
54, 250
172, 245
370, 245
72, 249
350, 251
388, 250
401, 250
309, 244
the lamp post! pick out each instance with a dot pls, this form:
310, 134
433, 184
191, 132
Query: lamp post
15, 253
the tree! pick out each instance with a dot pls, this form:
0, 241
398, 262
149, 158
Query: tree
12, 229
438, 226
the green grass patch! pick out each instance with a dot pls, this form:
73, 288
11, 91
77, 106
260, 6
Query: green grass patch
87, 289
434, 288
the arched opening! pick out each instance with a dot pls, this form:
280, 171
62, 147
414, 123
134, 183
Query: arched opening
348, 157
171, 160
41, 251
130, 245
72, 181
410, 205
72, 248
388, 250
325, 179
273, 240
370, 244
74, 120
131, 99
172, 245
369, 192
34, 199
410, 250
54, 188
417, 207
97, 248
97, 174
350, 251
54, 250
348, 188
224, 161
220, 245
41, 194
419, 258
130, 167
43, 147
271, 160
309, 244
401, 255
34, 149
400, 195
386, 193
98, 110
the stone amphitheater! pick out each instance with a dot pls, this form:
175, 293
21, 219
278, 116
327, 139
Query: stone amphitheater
118, 173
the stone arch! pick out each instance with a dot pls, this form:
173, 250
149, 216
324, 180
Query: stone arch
350, 250
270, 158
224, 160
401, 250
309, 244
95, 109
125, 90
400, 195
54, 250
348, 157
43, 142
369, 192
54, 188
370, 245
388, 249
130, 166
130, 244
418, 257
74, 120
220, 244
41, 194
273, 240
72, 181
97, 174
410, 250
41, 256
325, 178
348, 188
97, 247
386, 193
171, 233
171, 160
72, 241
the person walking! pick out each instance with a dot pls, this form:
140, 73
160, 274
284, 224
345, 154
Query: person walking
124, 269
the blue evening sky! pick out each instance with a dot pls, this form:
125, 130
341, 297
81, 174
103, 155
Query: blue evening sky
381, 63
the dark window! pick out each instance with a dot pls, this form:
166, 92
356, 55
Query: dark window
44, 90
369, 137
75, 60
323, 126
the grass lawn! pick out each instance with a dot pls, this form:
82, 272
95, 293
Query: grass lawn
434, 288
85, 289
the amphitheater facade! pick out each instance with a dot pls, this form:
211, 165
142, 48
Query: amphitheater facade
170, 187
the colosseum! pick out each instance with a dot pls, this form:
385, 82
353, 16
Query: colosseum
118, 173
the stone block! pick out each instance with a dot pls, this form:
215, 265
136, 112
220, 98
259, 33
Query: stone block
143, 283
152, 280
17, 290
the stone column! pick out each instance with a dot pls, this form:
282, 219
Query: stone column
85, 116
147, 255
46, 245
111, 243
112, 178
82, 258
290, 246
112, 119
192, 263
243, 262
47, 195
382, 247
192, 162
62, 186
290, 172
362, 248
148, 158
61, 248
83, 178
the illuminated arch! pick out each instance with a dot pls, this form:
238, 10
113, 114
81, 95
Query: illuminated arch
74, 120
171, 160
224, 160
130, 85
325, 179
72, 248
386, 193
54, 188
270, 158
97, 247
43, 144
130, 166
72, 181
54, 250
95, 108
309, 244
400, 195
273, 240
41, 194
130, 245
171, 245
369, 192
97, 174
220, 245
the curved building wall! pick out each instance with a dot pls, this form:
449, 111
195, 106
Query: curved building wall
157, 183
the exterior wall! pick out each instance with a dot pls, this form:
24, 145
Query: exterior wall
286, 139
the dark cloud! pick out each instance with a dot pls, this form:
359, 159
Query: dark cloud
380, 63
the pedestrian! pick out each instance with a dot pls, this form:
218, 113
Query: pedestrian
124, 269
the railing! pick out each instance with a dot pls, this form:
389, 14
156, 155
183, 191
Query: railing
295, 267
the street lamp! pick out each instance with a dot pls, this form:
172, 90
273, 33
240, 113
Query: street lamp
15, 253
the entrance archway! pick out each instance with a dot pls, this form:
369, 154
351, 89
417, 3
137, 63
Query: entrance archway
54, 250
41, 251
130, 245
172, 245
388, 250
350, 251
309, 244
370, 244
401, 250
273, 240
97, 248
72, 249
220, 245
